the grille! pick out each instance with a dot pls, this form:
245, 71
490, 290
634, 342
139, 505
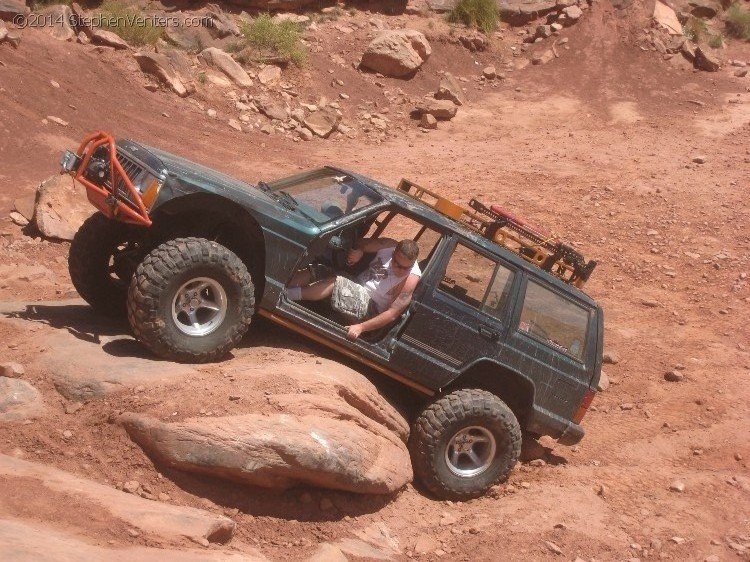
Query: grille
134, 172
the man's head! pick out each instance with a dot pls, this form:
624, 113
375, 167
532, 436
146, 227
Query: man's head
405, 255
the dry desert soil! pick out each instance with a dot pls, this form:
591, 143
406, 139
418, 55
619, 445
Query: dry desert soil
598, 145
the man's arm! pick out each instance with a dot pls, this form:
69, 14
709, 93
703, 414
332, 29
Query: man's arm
366, 246
400, 304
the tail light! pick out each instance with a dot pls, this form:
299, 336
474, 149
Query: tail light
584, 407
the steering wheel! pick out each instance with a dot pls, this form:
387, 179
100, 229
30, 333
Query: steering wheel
339, 246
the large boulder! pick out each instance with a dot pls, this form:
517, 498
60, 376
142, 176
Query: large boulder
442, 110
61, 207
159, 66
397, 53
19, 401
572, 14
330, 427
84, 369
223, 61
57, 21
313, 440
323, 122
183, 33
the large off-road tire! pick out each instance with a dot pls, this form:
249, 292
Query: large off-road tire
464, 443
191, 300
101, 263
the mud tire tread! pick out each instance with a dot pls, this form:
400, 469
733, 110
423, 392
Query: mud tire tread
156, 274
441, 420
88, 258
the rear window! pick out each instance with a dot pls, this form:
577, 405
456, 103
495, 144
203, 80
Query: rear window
554, 320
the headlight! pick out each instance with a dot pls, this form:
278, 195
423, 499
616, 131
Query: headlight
69, 162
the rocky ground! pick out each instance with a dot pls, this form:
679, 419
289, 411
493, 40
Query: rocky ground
628, 151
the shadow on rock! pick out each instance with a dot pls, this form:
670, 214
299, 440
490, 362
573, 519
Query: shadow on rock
264, 333
80, 320
127, 347
533, 450
301, 503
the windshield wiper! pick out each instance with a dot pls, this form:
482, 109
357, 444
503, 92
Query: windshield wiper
281, 196
287, 199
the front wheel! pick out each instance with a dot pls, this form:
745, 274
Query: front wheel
464, 443
103, 257
190, 300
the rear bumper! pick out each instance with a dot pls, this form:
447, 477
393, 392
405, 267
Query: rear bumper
572, 435
565, 431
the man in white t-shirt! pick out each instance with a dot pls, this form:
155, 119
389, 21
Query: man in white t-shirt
379, 295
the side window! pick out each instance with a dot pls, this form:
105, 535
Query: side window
554, 320
477, 281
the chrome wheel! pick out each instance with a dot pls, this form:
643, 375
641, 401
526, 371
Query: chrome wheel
470, 451
199, 307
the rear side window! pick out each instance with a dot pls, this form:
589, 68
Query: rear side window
478, 281
554, 320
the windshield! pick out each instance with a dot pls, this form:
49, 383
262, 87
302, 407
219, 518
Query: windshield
325, 195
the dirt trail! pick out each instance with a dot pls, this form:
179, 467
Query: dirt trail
597, 145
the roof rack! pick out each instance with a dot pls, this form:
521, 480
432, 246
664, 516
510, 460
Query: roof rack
533, 244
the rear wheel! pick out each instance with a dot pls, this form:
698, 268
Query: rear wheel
191, 300
103, 256
464, 443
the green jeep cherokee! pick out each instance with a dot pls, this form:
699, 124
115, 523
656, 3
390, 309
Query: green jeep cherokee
498, 334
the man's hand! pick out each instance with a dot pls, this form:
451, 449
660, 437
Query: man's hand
354, 331
354, 256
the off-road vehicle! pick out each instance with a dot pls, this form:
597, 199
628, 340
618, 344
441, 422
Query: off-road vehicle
498, 335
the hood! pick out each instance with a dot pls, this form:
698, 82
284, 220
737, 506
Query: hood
163, 163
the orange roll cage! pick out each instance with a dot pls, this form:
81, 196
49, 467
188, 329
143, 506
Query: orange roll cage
101, 197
